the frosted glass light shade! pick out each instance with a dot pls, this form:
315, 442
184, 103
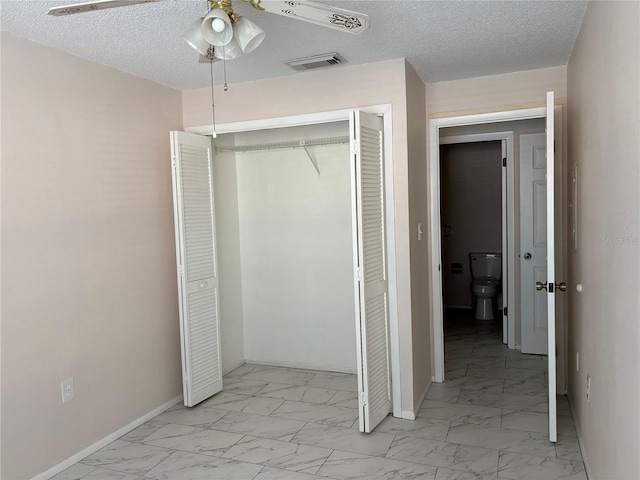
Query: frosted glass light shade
230, 51
217, 38
247, 34
193, 36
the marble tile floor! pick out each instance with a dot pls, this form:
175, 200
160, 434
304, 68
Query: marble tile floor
487, 421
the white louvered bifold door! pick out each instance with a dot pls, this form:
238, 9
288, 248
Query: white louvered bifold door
191, 157
374, 379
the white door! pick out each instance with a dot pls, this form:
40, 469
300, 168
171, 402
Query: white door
551, 285
374, 378
193, 200
533, 242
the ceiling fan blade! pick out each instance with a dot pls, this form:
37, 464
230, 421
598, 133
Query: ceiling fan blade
91, 6
320, 14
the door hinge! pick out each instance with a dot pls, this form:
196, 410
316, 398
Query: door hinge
504, 162
504, 311
358, 275
362, 399
180, 270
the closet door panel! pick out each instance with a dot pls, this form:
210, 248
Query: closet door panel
374, 379
191, 157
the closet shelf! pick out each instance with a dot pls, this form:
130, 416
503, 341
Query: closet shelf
288, 144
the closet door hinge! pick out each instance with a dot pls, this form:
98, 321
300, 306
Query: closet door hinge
504, 162
180, 270
362, 400
358, 274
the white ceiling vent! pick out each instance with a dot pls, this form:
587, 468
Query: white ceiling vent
316, 61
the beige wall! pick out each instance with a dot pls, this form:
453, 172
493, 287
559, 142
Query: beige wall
604, 133
509, 91
88, 266
327, 90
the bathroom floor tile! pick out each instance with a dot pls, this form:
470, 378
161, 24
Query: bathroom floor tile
191, 466
533, 443
480, 461
461, 412
520, 466
421, 427
128, 457
259, 426
308, 412
274, 453
353, 466
347, 439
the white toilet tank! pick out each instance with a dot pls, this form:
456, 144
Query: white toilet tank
486, 264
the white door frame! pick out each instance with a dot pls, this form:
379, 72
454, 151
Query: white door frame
434, 214
385, 112
508, 224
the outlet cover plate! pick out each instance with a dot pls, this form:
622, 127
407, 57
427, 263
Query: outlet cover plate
68, 391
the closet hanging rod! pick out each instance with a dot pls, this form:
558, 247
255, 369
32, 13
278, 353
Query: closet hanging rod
287, 144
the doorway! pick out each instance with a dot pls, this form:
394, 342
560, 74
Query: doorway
477, 192
491, 123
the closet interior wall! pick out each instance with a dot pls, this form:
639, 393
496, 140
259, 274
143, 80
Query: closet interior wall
288, 231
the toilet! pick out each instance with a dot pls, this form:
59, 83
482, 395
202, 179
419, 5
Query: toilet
486, 270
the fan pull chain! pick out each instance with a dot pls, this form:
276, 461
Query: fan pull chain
224, 68
213, 104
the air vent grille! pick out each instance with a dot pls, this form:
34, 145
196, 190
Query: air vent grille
316, 61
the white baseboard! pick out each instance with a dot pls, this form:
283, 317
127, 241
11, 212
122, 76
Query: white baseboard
106, 440
303, 365
408, 415
413, 414
580, 441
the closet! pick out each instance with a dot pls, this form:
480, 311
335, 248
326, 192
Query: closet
293, 228
296, 216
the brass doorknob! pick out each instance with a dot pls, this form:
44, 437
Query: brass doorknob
562, 286
542, 286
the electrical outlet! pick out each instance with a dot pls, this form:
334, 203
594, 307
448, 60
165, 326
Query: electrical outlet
577, 361
588, 388
68, 392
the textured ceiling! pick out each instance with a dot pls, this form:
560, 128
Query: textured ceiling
443, 40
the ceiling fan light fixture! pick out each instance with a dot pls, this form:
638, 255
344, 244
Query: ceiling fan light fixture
222, 32
247, 34
230, 51
193, 36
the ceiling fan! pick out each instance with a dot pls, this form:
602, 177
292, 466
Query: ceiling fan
223, 34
